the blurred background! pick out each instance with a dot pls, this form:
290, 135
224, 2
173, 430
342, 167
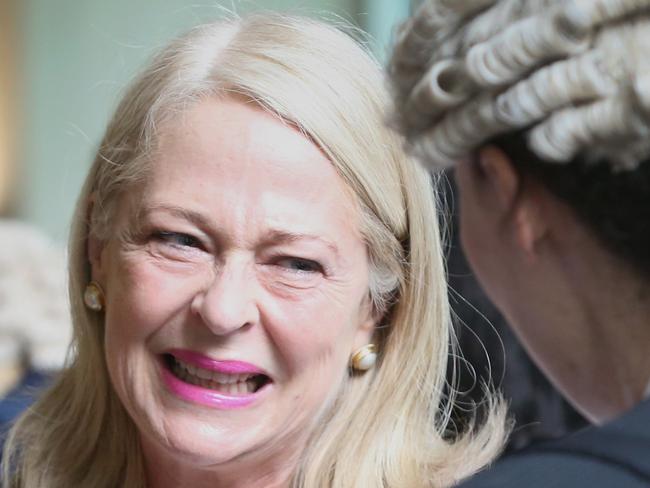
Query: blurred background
63, 66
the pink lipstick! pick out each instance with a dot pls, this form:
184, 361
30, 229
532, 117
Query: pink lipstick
221, 384
204, 362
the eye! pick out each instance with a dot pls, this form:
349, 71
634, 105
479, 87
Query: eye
299, 265
177, 239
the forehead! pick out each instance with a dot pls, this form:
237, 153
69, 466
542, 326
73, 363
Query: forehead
230, 153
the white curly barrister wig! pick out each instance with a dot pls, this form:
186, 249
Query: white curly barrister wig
575, 74
34, 309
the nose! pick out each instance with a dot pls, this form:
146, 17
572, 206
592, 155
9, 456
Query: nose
227, 304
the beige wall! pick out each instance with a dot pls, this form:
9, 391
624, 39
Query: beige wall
8, 96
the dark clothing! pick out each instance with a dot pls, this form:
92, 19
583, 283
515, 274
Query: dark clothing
616, 455
21, 396
18, 400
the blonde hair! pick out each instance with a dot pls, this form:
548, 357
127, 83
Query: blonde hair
575, 74
390, 427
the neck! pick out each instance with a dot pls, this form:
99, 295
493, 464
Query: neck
162, 478
599, 357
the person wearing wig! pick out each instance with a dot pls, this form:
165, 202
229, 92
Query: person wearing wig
258, 293
543, 108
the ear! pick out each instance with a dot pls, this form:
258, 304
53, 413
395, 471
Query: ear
520, 198
531, 224
502, 178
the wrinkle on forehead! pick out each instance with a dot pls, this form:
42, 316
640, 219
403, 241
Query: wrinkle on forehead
273, 172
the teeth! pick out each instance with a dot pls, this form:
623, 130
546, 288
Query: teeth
227, 383
225, 378
203, 373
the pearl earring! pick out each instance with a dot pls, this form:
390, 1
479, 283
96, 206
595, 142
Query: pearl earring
94, 297
364, 358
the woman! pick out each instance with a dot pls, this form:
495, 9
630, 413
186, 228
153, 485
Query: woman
258, 290
544, 108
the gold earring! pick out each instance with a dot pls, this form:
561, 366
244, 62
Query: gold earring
364, 358
94, 297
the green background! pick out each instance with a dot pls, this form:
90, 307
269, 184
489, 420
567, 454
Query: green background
78, 55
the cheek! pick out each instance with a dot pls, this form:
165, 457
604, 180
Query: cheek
486, 252
132, 305
146, 291
314, 338
315, 353
468, 231
141, 299
479, 252
473, 224
128, 323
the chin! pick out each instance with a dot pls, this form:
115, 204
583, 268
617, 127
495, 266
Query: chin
185, 440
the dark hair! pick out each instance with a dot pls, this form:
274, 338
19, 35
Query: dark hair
615, 205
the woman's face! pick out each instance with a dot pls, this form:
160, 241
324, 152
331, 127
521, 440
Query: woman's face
236, 289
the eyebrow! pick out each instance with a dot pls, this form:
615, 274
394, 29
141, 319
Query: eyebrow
190, 215
282, 236
274, 236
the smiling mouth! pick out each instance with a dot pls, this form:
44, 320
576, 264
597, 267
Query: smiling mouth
228, 383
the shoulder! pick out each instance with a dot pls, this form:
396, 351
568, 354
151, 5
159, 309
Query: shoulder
555, 470
617, 454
